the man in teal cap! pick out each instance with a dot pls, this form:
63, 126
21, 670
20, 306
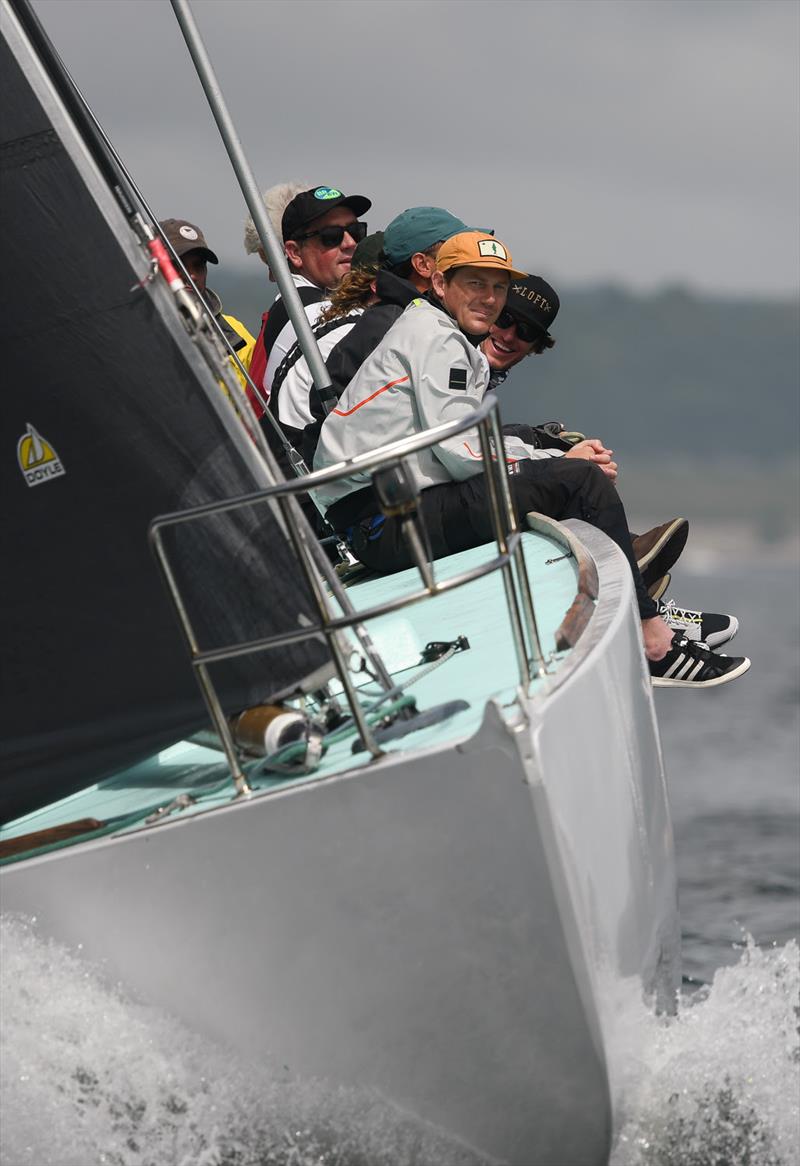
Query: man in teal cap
413, 235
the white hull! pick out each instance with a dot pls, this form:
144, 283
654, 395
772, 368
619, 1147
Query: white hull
450, 927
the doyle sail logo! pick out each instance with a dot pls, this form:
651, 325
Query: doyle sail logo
37, 459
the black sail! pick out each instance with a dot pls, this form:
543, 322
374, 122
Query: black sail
111, 417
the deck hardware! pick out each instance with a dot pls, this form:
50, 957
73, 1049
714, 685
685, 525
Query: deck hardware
437, 648
392, 728
398, 497
149, 275
396, 490
305, 755
515, 576
181, 802
329, 712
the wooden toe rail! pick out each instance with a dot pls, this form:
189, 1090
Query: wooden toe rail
581, 609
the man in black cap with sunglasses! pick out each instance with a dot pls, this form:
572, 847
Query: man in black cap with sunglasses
522, 329
320, 229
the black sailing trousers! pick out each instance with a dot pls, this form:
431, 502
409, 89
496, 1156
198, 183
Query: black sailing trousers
456, 515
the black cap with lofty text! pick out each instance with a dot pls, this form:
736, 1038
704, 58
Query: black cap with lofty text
533, 300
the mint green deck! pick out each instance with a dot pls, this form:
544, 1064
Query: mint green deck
487, 671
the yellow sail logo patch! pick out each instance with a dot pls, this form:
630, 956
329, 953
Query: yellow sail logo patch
37, 459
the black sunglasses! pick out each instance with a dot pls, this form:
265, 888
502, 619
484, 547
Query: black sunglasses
331, 237
528, 333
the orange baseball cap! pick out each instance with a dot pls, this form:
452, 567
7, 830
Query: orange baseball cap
476, 249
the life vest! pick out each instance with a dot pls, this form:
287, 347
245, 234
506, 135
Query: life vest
258, 366
272, 324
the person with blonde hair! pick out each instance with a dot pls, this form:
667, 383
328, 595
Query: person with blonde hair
275, 199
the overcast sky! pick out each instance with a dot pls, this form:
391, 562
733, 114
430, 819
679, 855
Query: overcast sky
644, 141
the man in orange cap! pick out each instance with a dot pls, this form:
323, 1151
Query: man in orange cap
426, 369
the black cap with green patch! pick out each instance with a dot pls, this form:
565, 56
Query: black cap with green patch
313, 204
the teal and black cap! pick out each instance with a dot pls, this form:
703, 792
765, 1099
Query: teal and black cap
417, 229
313, 204
369, 252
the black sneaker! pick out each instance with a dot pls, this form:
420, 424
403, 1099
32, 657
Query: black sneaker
707, 626
691, 664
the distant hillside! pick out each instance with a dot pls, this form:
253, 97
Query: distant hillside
681, 372
699, 397
670, 374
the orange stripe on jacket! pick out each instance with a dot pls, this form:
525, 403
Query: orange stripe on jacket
371, 397
512, 460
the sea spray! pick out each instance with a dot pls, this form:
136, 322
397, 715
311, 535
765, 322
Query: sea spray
720, 1082
89, 1076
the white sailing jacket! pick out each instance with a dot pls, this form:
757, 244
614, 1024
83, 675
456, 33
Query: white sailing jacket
423, 373
294, 399
287, 335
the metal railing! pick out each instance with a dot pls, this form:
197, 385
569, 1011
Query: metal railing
317, 570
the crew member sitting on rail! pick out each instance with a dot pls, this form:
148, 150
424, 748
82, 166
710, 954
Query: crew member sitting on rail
189, 244
522, 329
428, 370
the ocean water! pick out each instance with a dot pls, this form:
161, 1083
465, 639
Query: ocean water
90, 1076
732, 756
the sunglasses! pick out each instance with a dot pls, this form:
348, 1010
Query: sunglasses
331, 237
527, 333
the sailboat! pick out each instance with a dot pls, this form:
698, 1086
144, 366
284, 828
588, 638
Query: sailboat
442, 881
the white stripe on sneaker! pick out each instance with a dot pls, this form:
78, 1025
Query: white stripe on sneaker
673, 668
662, 682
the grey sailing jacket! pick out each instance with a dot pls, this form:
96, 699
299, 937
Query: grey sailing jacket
423, 373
